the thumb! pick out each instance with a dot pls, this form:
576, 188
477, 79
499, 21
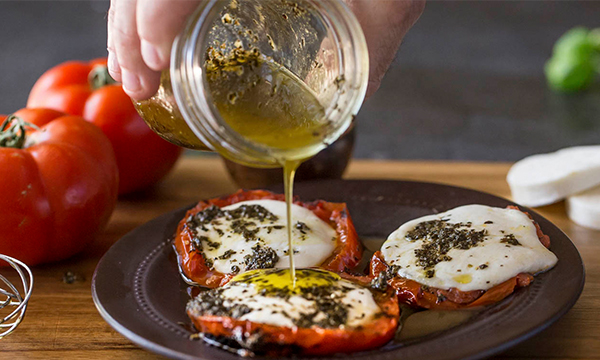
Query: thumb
158, 23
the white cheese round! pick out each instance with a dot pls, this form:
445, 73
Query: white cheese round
547, 178
584, 208
312, 244
278, 311
489, 263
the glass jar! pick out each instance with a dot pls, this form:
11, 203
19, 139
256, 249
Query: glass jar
320, 42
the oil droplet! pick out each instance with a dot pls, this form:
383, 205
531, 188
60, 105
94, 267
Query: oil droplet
463, 279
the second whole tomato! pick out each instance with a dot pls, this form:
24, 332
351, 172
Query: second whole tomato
85, 89
58, 185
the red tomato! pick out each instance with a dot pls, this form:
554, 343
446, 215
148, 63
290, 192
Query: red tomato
278, 340
345, 256
58, 188
142, 156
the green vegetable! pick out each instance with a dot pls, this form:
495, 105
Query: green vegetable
575, 60
569, 73
594, 37
574, 42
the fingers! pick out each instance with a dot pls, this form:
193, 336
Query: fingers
112, 63
158, 23
384, 22
140, 35
139, 81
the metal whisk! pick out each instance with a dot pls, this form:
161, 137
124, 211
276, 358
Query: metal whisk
14, 298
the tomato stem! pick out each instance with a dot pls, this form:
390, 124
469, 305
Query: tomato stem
100, 77
13, 131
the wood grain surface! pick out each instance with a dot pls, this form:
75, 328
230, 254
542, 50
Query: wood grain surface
62, 322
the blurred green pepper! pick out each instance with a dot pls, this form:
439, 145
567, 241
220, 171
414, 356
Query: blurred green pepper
574, 42
569, 73
575, 60
594, 37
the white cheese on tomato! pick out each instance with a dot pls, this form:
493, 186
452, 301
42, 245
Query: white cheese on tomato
509, 246
280, 311
313, 239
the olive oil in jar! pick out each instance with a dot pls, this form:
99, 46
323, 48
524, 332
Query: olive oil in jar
257, 98
265, 103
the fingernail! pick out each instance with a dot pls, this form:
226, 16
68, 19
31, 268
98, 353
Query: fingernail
152, 56
113, 67
131, 83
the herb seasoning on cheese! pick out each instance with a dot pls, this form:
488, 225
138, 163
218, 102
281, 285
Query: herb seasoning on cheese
472, 247
253, 235
319, 298
439, 237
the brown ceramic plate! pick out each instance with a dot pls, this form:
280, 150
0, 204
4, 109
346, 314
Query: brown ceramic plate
138, 290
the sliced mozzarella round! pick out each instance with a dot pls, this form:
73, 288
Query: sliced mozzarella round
284, 312
225, 244
293, 309
547, 178
584, 208
496, 244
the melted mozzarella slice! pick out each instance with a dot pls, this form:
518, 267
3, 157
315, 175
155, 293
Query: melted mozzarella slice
267, 307
283, 312
509, 246
313, 239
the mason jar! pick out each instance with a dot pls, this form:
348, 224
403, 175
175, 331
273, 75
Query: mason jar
320, 42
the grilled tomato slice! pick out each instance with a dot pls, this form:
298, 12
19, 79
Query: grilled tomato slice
247, 230
470, 256
324, 313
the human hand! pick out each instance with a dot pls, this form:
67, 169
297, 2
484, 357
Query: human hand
141, 32
140, 35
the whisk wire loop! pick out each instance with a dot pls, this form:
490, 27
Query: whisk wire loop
14, 298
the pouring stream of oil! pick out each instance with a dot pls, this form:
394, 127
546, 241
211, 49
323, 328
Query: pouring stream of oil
289, 170
267, 104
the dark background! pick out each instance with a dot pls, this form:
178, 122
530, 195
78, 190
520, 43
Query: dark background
467, 83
